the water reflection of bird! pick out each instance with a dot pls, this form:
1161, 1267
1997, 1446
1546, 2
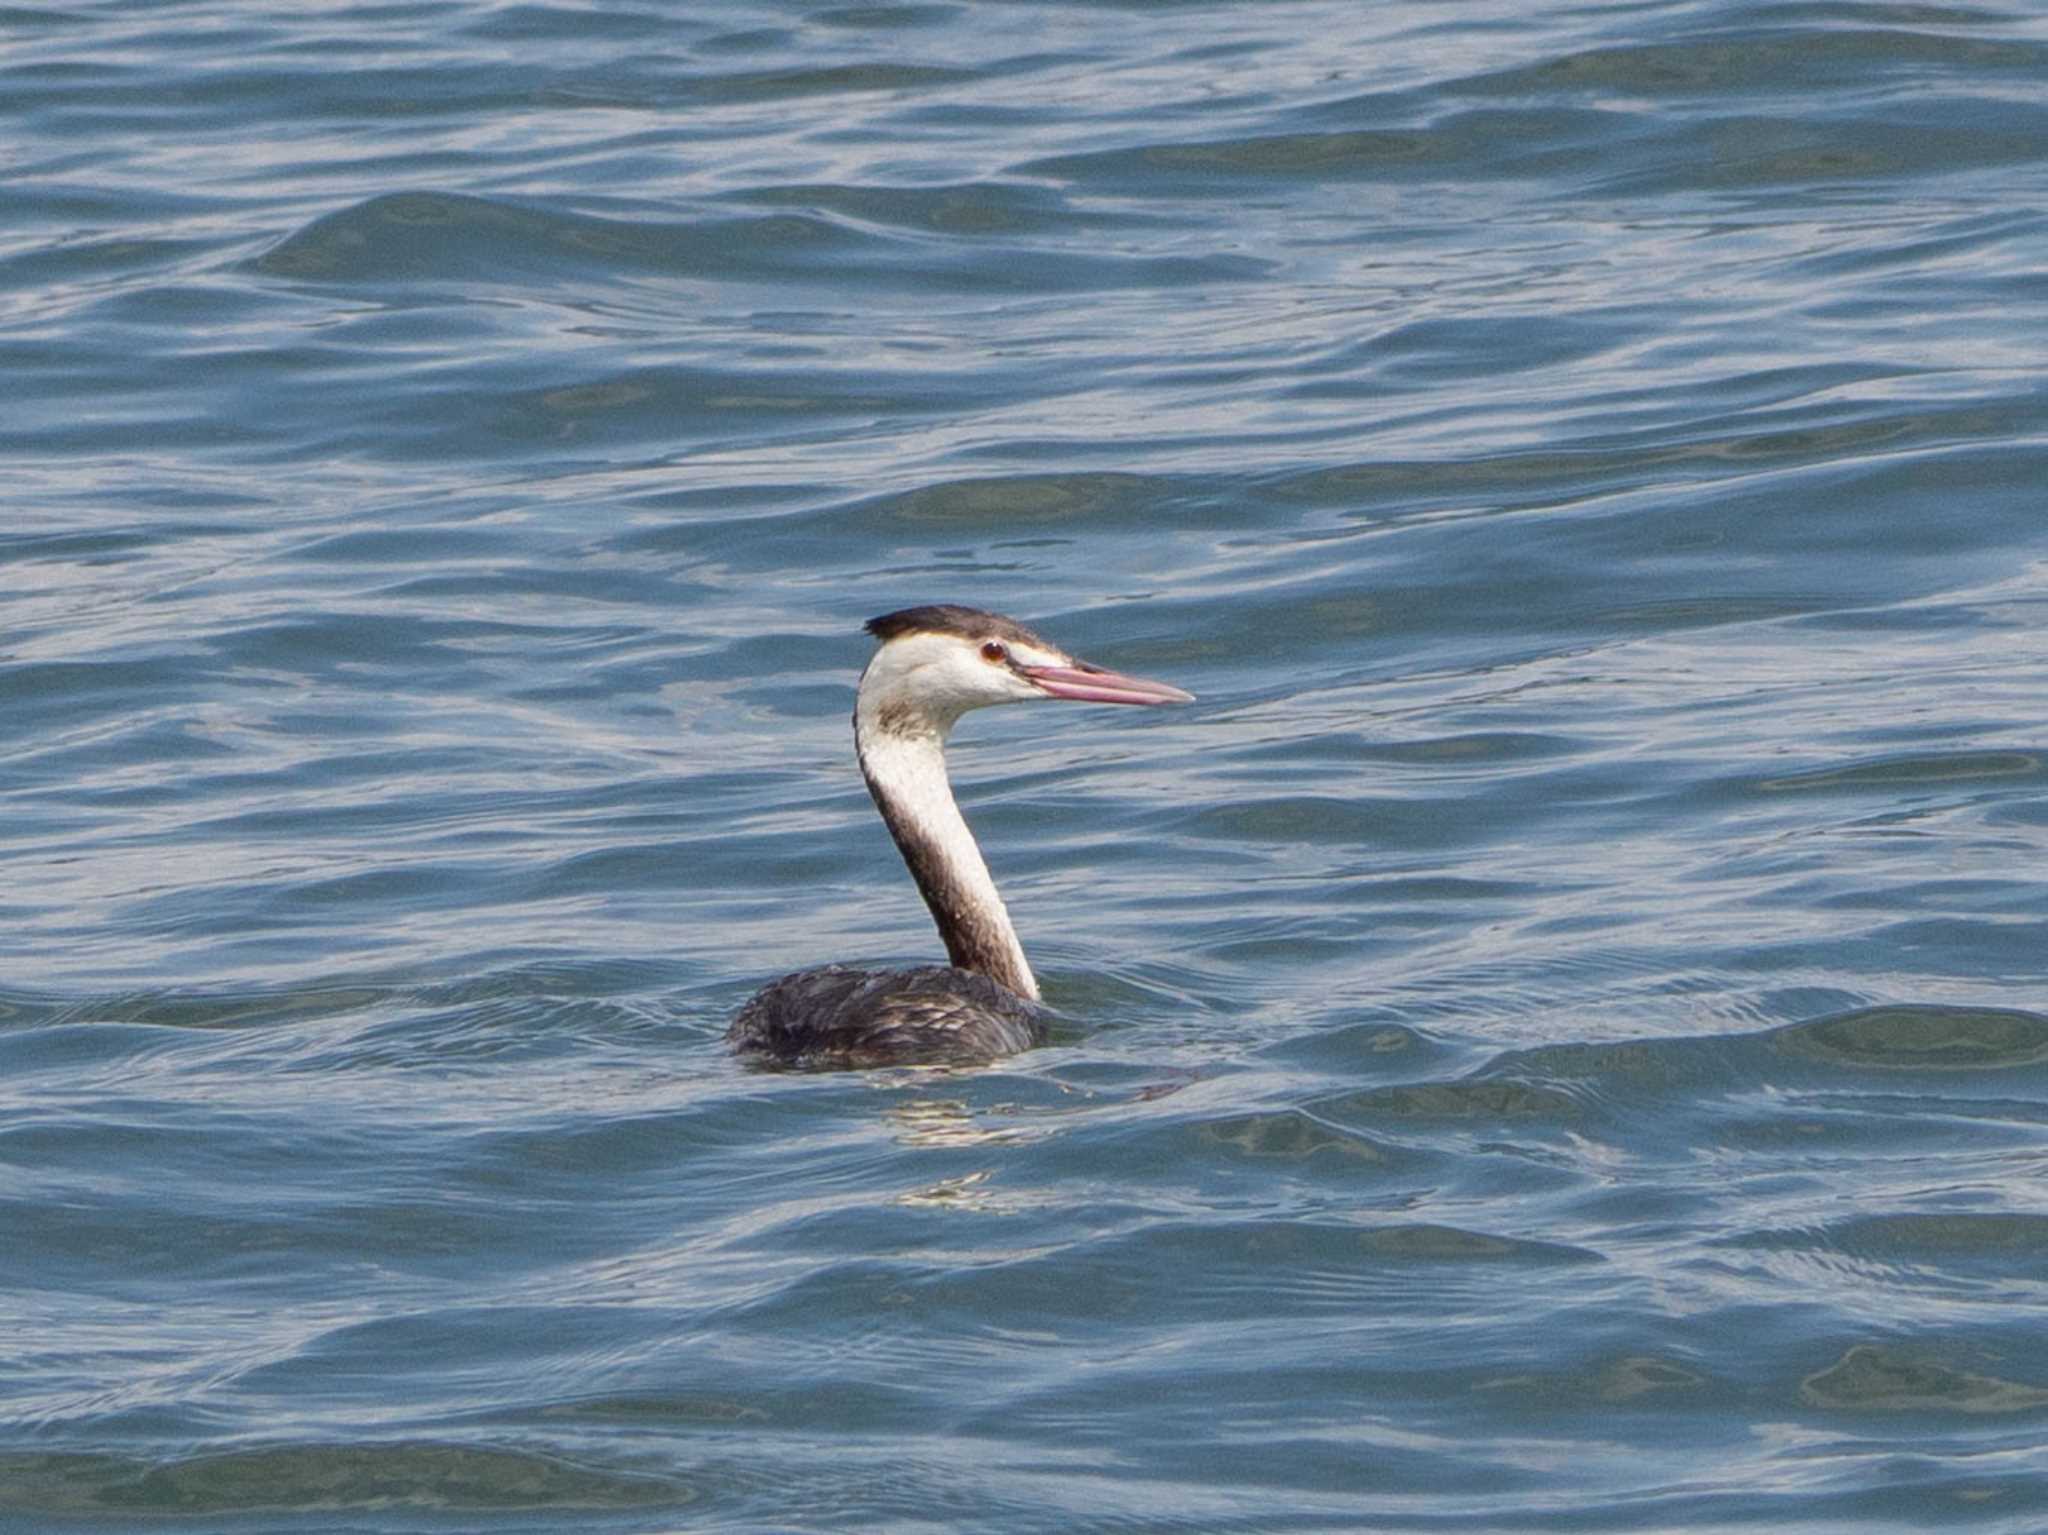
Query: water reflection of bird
934, 664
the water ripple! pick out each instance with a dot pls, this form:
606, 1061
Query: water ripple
1555, 1035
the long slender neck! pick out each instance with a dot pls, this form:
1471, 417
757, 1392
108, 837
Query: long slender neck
903, 759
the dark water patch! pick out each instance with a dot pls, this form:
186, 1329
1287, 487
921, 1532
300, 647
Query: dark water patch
1854, 1127
666, 407
1929, 1037
1491, 1100
65, 693
1371, 1047
1421, 353
828, 80
1711, 447
1892, 773
104, 1238
1360, 153
1707, 611
560, 1336
867, 17
540, 22
1989, 1243
28, 1010
1767, 62
1476, 751
1620, 1070
322, 1479
1288, 1135
241, 1009
362, 640
1233, 1465
1673, 556
1389, 822
629, 1151
654, 864
655, 1410
394, 891
1764, 153
131, 99
1294, 819
1299, 945
1223, 1265
33, 18
432, 546
175, 747
355, 794
95, 262
610, 976
445, 237
1617, 153
969, 210
472, 1036
1633, 1077
1019, 501
1878, 13
2001, 942
1876, 495
1469, 146
1873, 1377
100, 546
519, 589
1636, 1381
1451, 1245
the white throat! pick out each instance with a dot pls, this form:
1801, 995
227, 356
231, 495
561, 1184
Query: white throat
902, 752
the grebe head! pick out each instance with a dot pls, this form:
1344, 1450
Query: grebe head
936, 663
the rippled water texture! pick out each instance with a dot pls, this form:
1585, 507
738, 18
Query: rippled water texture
1556, 1038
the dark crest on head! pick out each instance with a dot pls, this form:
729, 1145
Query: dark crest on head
951, 618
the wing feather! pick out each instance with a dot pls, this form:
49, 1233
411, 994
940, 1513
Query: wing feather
842, 1015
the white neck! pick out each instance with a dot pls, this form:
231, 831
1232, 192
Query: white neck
903, 758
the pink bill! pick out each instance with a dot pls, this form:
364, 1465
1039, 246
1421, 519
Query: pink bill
1092, 685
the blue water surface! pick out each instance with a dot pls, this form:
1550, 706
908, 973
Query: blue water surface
1555, 1038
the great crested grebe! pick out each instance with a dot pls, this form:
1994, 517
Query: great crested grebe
935, 663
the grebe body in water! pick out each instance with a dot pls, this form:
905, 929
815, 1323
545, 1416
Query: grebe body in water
933, 665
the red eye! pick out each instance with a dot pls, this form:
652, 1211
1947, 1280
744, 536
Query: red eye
992, 651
